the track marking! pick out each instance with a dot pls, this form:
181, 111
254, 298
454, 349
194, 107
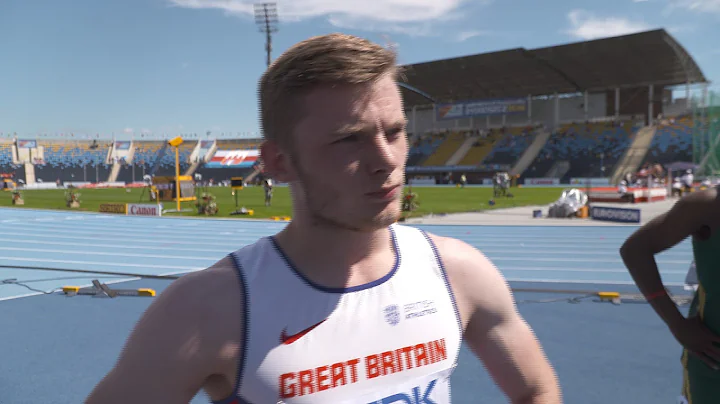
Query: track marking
88, 285
135, 247
110, 254
105, 264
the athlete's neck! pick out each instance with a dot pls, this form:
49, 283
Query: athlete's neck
335, 257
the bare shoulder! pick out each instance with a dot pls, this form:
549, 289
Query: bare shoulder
204, 293
701, 207
187, 340
686, 217
475, 280
212, 300
461, 258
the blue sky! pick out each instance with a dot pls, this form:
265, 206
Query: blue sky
191, 66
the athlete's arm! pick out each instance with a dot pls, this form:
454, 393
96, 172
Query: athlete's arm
685, 218
494, 329
174, 348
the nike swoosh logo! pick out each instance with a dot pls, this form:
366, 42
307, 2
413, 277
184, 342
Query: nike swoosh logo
289, 339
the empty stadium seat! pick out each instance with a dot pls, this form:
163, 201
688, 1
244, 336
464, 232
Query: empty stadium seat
424, 147
582, 144
672, 142
509, 148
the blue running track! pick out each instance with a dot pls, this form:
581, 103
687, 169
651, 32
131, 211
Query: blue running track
56, 348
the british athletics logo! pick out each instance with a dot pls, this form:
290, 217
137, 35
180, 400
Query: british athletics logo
618, 215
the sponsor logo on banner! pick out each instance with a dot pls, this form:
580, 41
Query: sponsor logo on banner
591, 181
505, 106
122, 145
542, 181
26, 144
233, 159
136, 209
615, 214
120, 208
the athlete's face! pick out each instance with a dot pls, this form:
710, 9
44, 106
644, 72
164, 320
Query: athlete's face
348, 161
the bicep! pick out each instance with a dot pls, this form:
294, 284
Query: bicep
503, 340
510, 351
162, 360
494, 329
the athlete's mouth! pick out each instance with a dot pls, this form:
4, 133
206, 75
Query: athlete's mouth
385, 193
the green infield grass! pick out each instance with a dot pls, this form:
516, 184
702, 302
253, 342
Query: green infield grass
435, 200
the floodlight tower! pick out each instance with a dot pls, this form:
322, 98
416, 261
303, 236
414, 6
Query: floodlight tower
266, 17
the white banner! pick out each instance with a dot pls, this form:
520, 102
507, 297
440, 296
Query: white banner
41, 185
139, 209
542, 181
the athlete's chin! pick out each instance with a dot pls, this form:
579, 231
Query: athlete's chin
387, 217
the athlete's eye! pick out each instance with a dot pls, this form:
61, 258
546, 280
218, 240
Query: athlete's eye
348, 139
395, 132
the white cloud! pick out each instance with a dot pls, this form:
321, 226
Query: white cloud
585, 25
678, 29
700, 6
128, 130
411, 17
465, 35
640, 1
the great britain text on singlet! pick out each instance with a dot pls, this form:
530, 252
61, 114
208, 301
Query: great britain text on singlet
321, 378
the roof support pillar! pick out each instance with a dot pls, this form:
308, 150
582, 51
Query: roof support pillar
688, 104
557, 110
434, 116
617, 102
529, 109
413, 119
585, 105
651, 97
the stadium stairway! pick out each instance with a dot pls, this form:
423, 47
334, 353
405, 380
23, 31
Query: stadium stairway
558, 170
635, 154
193, 167
446, 149
461, 151
541, 137
114, 172
258, 170
477, 154
29, 173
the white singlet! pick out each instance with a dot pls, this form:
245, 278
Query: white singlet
395, 340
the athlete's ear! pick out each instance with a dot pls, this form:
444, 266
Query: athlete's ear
277, 162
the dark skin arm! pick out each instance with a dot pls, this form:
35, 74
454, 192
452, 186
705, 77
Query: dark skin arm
693, 215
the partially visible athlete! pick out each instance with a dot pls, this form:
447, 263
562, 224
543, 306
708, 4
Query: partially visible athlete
696, 215
343, 305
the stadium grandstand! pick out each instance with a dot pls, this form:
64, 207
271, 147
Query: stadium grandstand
596, 109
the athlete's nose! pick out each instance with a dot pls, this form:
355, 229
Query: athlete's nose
381, 156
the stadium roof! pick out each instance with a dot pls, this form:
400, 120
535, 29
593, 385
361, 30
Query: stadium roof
652, 57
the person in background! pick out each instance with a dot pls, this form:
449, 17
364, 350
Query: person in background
697, 216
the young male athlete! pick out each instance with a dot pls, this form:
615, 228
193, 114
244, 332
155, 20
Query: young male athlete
696, 215
343, 305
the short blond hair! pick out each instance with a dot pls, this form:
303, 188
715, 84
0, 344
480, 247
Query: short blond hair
334, 59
